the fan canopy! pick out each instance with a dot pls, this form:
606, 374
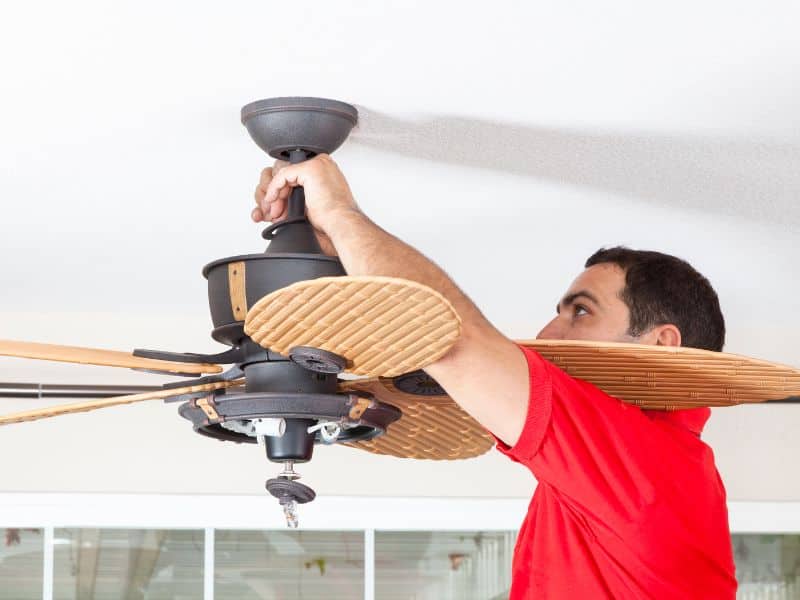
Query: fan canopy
314, 125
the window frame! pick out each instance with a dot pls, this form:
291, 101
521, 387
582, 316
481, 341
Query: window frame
209, 513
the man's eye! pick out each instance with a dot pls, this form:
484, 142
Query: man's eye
580, 310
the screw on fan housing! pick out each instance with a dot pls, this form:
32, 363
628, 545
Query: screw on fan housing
418, 383
315, 359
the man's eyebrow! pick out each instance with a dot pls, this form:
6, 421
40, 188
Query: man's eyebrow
570, 298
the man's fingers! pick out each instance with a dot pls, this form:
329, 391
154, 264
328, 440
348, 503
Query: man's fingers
272, 192
285, 178
276, 206
276, 210
266, 176
274, 188
263, 183
259, 194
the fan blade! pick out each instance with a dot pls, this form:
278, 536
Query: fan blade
64, 409
432, 427
669, 377
93, 356
380, 325
651, 377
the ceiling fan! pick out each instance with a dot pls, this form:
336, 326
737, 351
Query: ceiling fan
294, 322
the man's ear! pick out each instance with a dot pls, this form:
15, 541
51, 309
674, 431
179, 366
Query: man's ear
666, 335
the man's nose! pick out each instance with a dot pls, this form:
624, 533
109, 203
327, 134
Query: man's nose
554, 330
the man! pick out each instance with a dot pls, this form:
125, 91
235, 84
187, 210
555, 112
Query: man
629, 503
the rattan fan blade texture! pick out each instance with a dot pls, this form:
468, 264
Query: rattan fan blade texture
432, 427
65, 409
651, 377
383, 326
670, 378
94, 356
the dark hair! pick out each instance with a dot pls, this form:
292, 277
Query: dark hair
661, 289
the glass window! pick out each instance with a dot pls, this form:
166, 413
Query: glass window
290, 565
137, 564
468, 565
21, 564
110, 564
767, 566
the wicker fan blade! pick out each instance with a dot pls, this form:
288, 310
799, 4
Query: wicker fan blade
380, 325
432, 427
65, 409
93, 356
670, 378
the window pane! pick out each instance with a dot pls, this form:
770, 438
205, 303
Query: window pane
21, 564
128, 564
468, 565
767, 566
251, 565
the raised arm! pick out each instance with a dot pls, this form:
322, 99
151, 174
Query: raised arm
484, 372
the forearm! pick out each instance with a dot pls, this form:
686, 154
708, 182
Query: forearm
366, 249
484, 372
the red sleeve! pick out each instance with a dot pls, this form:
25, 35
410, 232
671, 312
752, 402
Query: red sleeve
595, 449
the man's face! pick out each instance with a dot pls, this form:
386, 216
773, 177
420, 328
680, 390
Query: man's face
592, 308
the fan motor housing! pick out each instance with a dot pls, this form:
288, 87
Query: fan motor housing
236, 283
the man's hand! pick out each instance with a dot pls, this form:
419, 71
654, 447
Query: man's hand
328, 196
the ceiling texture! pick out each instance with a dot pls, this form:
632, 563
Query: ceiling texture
507, 141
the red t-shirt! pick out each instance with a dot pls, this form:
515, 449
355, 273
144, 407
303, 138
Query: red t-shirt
629, 503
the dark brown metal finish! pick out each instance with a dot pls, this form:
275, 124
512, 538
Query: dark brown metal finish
418, 383
318, 360
314, 125
265, 274
286, 490
296, 444
301, 406
285, 376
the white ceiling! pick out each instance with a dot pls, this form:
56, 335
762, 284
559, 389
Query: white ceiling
506, 141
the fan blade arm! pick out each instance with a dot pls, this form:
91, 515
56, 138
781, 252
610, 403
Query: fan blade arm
232, 355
